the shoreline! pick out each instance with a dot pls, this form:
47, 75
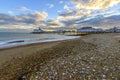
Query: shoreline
17, 43
67, 59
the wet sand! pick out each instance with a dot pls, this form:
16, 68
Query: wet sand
91, 57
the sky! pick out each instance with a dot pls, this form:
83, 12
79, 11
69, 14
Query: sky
29, 14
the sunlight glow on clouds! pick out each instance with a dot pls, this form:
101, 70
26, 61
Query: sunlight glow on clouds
30, 18
95, 4
54, 23
63, 13
86, 8
39, 16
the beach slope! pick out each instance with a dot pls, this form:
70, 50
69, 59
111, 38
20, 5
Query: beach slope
91, 57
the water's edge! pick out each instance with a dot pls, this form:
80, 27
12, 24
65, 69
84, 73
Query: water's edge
21, 42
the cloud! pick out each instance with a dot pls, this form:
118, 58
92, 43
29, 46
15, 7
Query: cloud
66, 7
68, 15
31, 18
39, 16
6, 18
81, 13
53, 23
86, 10
98, 21
69, 23
50, 5
94, 4
72, 14
23, 8
34, 18
10, 12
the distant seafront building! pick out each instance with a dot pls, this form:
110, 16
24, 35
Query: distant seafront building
81, 30
113, 30
39, 30
89, 29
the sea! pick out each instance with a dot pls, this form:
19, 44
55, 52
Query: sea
12, 39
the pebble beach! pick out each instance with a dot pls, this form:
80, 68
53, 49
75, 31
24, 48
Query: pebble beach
90, 57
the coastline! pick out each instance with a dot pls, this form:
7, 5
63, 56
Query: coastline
22, 42
94, 51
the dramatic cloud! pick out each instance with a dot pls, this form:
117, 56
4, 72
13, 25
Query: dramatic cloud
31, 18
94, 4
71, 23
68, 15
88, 13
54, 23
98, 21
86, 8
39, 16
73, 14
34, 18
